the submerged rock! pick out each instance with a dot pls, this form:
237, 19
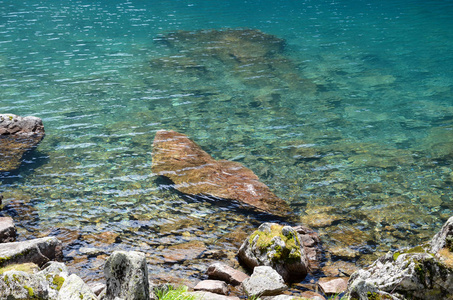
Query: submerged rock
227, 45
195, 172
17, 136
276, 246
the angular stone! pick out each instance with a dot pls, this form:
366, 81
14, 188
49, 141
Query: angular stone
226, 273
195, 172
97, 287
126, 274
276, 246
333, 285
264, 281
38, 251
213, 286
7, 230
312, 246
412, 275
74, 288
56, 274
17, 136
444, 238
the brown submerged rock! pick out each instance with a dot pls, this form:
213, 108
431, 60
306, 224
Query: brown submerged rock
17, 136
195, 172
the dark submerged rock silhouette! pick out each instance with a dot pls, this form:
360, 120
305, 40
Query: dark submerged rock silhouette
195, 172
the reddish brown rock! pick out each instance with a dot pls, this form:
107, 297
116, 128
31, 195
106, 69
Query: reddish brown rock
333, 285
17, 136
195, 172
312, 246
182, 252
213, 286
226, 273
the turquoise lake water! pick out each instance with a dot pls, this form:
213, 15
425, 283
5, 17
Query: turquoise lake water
351, 122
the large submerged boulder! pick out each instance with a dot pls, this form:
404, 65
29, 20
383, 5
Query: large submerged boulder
195, 172
422, 272
276, 246
17, 136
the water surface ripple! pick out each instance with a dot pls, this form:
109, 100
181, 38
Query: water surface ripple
350, 121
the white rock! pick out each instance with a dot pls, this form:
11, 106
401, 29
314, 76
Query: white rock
264, 281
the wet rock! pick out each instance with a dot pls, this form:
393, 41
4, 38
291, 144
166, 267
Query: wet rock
102, 239
264, 281
38, 251
230, 45
333, 285
213, 286
226, 273
74, 288
17, 136
126, 274
7, 230
182, 252
276, 246
337, 268
195, 172
312, 246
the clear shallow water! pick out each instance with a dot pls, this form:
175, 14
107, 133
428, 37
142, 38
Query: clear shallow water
352, 123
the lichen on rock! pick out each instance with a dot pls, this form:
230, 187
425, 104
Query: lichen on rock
276, 246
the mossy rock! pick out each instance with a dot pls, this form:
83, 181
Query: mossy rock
276, 246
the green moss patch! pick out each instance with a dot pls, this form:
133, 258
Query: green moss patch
26, 267
290, 252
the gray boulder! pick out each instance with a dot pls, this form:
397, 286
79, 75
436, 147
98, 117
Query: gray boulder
442, 239
422, 272
13, 124
276, 246
7, 230
265, 281
38, 251
126, 274
22, 285
74, 288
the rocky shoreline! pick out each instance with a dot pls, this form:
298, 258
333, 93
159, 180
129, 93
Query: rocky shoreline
274, 254
277, 257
